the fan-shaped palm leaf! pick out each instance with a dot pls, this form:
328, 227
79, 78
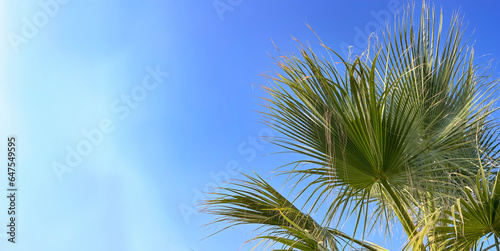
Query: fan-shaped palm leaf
398, 129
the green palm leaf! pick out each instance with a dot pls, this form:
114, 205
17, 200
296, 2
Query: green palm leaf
474, 217
394, 127
253, 201
393, 134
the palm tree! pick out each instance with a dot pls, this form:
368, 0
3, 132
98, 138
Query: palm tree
402, 133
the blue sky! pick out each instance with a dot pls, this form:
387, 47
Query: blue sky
168, 92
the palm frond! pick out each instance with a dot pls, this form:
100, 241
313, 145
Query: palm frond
473, 218
393, 134
254, 201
